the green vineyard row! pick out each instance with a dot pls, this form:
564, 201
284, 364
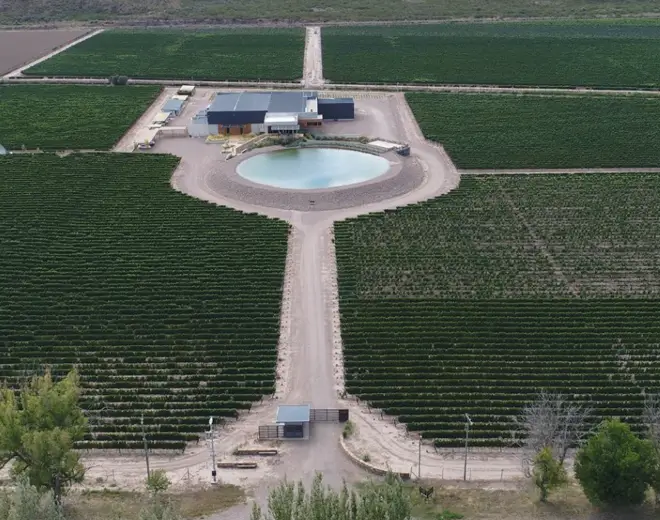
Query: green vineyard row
602, 54
228, 54
168, 306
68, 117
486, 131
476, 301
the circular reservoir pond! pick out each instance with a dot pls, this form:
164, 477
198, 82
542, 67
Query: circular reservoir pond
312, 168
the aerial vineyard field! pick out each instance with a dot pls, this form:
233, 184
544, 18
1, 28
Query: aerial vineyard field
475, 301
230, 54
483, 131
551, 54
57, 117
168, 306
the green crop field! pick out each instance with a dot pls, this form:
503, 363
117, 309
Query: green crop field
597, 54
230, 54
474, 301
168, 306
57, 117
484, 131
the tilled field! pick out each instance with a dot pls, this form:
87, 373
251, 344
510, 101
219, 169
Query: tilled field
20, 47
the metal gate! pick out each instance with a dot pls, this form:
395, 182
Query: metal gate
328, 415
269, 432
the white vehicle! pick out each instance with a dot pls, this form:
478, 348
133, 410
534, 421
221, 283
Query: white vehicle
146, 145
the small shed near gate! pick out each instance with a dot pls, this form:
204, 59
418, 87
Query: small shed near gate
174, 106
186, 90
294, 420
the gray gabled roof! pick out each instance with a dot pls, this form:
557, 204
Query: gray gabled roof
241, 102
261, 102
293, 413
172, 105
287, 102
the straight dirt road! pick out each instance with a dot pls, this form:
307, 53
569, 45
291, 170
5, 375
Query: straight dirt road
309, 367
313, 62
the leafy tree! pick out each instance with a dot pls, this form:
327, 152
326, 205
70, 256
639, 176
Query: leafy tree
549, 473
377, 501
159, 507
38, 428
157, 481
118, 80
616, 467
25, 502
651, 418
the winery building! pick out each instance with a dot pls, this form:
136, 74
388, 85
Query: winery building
267, 112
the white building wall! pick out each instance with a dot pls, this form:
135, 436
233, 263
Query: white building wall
198, 130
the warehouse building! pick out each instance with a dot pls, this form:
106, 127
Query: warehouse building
337, 109
266, 112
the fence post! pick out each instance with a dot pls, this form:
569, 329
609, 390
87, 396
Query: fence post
502, 476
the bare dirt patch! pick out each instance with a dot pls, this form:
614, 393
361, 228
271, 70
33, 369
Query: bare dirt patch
21, 47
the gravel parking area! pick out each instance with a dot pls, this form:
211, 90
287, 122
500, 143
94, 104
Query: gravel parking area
219, 176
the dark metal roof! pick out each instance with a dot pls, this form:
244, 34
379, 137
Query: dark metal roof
331, 101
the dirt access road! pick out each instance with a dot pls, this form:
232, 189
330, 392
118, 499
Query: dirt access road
313, 62
310, 368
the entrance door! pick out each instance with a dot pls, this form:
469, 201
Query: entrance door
293, 431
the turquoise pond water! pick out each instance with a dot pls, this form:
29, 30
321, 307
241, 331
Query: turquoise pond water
312, 168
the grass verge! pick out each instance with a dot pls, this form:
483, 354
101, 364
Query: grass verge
115, 505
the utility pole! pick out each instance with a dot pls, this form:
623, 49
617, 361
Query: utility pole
211, 433
419, 458
468, 423
146, 447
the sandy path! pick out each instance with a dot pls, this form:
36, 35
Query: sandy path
313, 62
127, 142
345, 88
20, 70
310, 368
